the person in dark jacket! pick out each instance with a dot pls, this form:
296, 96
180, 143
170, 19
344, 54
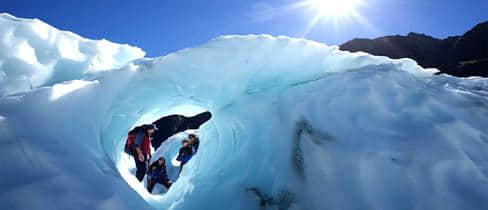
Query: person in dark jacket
185, 154
142, 153
158, 174
194, 143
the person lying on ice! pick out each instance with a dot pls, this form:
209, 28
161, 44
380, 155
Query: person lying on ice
185, 154
157, 174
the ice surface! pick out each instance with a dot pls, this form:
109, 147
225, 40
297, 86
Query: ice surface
34, 54
296, 125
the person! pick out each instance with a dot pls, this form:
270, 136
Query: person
142, 152
157, 174
194, 143
185, 154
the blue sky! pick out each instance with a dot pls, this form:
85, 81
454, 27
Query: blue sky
163, 26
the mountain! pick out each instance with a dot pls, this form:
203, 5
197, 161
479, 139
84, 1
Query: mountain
465, 55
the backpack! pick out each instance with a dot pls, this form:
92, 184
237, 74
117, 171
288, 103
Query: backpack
130, 144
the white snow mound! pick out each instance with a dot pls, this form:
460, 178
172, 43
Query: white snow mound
34, 54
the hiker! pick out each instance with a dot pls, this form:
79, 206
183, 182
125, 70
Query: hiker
194, 143
157, 174
185, 153
139, 146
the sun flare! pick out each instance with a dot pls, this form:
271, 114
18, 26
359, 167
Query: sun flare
334, 8
333, 11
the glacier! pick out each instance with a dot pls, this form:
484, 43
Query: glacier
296, 125
35, 54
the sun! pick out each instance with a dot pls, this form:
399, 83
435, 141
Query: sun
325, 13
334, 8
335, 11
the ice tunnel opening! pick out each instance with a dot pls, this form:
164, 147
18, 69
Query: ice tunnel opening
173, 126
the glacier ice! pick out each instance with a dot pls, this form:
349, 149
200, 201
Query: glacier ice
296, 125
34, 54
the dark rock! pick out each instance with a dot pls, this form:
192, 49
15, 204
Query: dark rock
172, 124
464, 55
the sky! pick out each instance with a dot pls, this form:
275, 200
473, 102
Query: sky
160, 27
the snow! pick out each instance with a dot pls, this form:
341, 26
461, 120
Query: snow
58, 90
34, 54
300, 122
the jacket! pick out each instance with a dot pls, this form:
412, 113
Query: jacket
143, 142
184, 155
159, 172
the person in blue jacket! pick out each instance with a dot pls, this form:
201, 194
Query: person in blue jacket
158, 174
185, 154
194, 143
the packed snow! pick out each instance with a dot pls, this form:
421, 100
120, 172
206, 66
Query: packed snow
296, 125
34, 54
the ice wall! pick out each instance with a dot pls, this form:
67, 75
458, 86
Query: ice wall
296, 125
34, 54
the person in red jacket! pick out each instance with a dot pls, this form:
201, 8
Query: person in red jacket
142, 153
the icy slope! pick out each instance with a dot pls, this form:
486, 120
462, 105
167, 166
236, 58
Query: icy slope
34, 54
296, 125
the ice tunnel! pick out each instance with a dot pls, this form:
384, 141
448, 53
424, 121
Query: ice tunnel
295, 125
175, 126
